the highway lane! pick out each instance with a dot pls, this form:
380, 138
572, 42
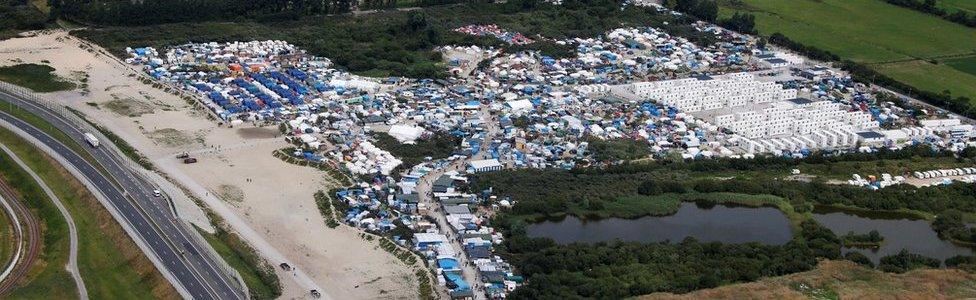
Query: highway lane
194, 270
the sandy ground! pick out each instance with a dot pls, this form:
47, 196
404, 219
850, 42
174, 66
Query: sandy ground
272, 197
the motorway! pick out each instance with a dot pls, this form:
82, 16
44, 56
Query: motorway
198, 273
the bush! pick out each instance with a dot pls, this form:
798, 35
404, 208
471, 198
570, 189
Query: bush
905, 261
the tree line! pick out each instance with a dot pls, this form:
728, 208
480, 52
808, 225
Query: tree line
554, 192
932, 7
18, 15
149, 12
615, 270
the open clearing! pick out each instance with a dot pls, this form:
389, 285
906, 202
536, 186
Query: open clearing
128, 107
896, 41
846, 280
170, 137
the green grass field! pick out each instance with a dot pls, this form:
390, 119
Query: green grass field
966, 64
667, 204
39, 78
110, 263
7, 242
47, 278
932, 77
953, 5
895, 40
261, 283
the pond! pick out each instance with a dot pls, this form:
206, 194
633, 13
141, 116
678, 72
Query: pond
899, 232
726, 224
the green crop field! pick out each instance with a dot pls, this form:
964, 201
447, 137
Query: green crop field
966, 64
896, 41
932, 77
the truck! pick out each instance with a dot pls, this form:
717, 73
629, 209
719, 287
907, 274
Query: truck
91, 139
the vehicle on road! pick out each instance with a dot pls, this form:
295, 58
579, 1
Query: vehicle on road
91, 139
189, 160
157, 193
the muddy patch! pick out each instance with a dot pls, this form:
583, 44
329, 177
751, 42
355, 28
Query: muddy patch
258, 132
128, 106
230, 193
170, 137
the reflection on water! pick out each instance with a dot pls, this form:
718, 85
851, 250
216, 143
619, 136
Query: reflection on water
720, 223
899, 233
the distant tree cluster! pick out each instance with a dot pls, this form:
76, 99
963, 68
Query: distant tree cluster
740, 22
870, 239
951, 225
614, 150
148, 12
20, 15
551, 192
905, 261
706, 10
932, 7
619, 270
437, 146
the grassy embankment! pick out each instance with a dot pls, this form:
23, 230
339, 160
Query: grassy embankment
912, 47
7, 242
668, 204
112, 266
845, 280
38, 78
258, 275
120, 143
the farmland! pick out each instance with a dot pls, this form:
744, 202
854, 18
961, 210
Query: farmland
967, 64
898, 42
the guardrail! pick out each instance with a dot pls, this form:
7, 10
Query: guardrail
134, 167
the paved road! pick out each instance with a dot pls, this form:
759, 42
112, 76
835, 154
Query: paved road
182, 256
72, 265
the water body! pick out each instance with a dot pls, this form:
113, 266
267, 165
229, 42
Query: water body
899, 233
720, 223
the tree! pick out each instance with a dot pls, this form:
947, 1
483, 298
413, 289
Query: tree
741, 22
